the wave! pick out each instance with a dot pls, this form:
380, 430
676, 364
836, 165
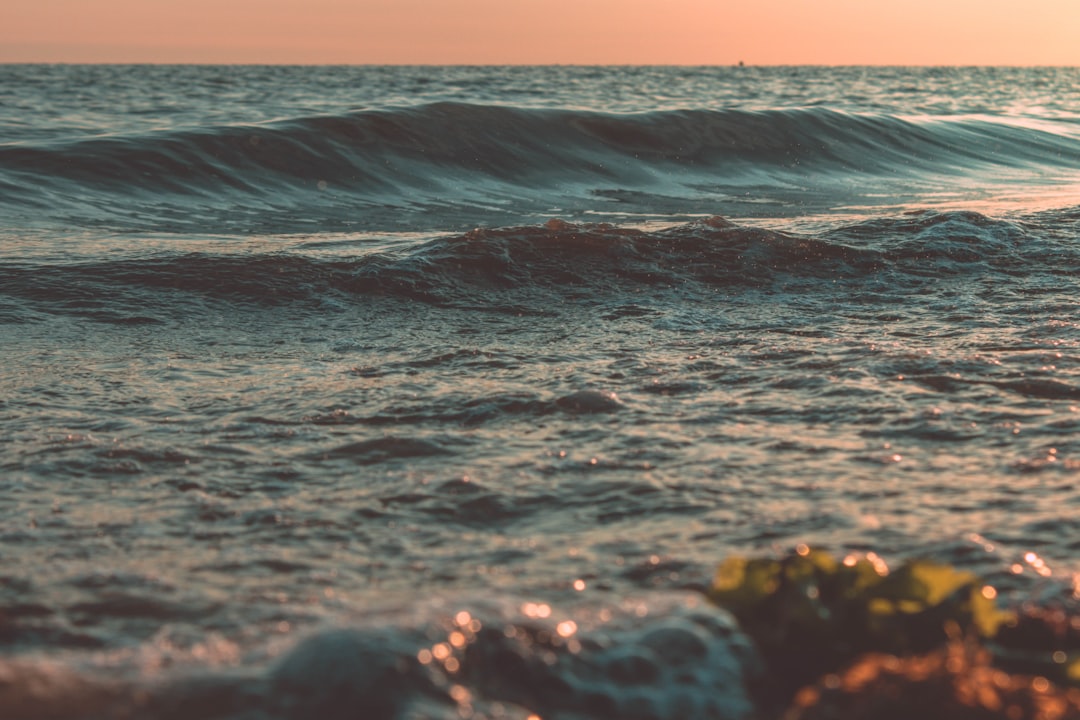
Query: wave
516, 268
441, 147
660, 655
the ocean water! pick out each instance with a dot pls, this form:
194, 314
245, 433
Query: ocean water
421, 392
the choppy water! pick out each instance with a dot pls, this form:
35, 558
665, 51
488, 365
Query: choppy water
331, 356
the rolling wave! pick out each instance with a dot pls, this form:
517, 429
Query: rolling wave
440, 146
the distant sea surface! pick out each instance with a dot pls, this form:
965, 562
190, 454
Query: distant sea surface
337, 392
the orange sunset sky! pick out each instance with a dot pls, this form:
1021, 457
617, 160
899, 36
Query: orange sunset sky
907, 32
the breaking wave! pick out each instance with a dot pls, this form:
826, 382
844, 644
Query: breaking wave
510, 267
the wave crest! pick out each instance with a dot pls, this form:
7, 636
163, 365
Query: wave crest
438, 145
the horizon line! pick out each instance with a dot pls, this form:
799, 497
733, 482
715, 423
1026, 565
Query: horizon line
736, 64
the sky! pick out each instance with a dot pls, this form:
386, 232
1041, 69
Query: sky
679, 32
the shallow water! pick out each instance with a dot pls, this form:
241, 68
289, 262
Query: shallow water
297, 350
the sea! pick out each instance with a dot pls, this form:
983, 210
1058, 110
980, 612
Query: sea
441, 392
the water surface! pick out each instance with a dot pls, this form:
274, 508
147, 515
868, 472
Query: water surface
343, 353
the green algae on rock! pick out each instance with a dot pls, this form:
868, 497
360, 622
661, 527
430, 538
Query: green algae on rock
854, 636
809, 611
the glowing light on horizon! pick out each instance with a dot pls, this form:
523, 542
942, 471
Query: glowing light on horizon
690, 32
